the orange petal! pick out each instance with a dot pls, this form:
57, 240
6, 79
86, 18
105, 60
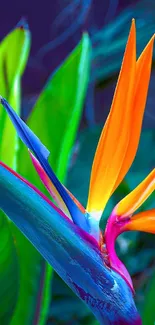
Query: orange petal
143, 221
114, 139
143, 70
135, 199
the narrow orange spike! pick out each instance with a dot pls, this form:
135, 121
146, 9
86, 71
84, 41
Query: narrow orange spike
136, 198
114, 139
143, 221
143, 71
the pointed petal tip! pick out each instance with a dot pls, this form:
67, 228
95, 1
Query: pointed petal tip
22, 24
133, 26
3, 101
132, 29
133, 23
149, 45
146, 54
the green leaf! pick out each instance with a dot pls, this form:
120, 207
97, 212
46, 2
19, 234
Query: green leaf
9, 277
56, 115
54, 119
13, 56
149, 303
14, 51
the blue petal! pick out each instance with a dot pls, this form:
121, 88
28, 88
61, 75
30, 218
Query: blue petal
42, 153
71, 252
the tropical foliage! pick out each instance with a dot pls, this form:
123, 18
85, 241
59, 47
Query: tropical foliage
30, 291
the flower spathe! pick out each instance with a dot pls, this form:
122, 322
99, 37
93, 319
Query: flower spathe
114, 155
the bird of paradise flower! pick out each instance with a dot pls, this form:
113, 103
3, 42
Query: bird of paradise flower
67, 234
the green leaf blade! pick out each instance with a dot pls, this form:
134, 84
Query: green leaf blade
9, 272
14, 51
